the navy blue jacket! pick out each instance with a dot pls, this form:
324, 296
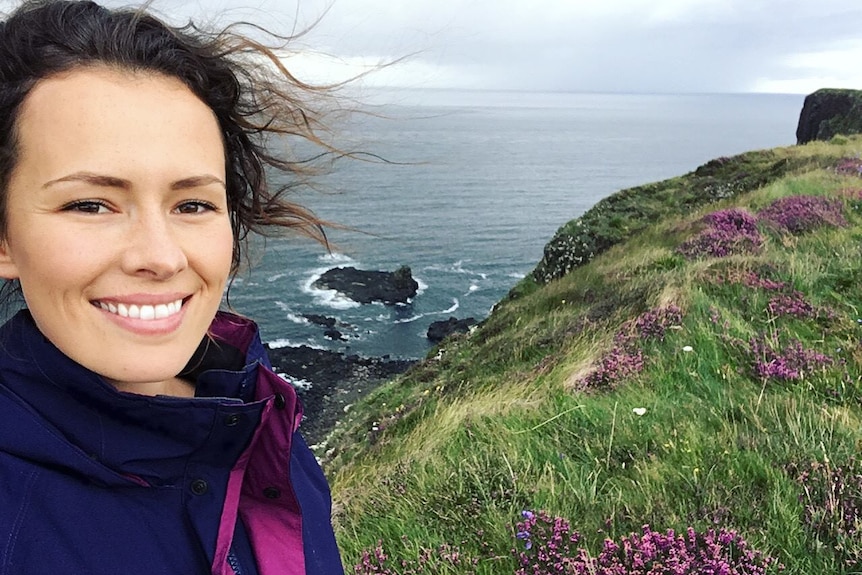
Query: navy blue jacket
98, 482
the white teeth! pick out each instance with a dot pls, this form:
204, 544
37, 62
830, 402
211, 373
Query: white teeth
144, 312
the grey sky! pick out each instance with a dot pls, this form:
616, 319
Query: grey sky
793, 46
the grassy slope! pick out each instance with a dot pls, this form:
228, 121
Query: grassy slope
495, 422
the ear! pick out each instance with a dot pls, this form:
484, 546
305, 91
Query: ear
8, 268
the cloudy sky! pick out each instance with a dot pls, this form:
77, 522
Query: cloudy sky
789, 46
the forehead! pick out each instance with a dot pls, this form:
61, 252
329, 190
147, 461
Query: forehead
107, 83
76, 89
112, 115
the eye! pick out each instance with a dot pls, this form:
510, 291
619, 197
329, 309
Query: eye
87, 207
195, 207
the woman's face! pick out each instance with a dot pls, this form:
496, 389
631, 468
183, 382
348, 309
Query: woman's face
117, 222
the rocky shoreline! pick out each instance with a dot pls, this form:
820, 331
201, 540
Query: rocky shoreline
329, 382
337, 381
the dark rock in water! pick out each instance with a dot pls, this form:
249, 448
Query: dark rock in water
329, 323
318, 319
338, 380
439, 330
334, 335
369, 286
828, 112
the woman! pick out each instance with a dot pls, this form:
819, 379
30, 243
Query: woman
141, 429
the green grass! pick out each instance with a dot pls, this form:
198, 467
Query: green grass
495, 422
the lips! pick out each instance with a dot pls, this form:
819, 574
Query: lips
142, 311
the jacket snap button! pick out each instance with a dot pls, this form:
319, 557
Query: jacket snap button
279, 401
271, 493
231, 420
199, 487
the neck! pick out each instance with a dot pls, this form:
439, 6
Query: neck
174, 387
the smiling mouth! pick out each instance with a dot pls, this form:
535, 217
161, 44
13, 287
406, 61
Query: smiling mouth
144, 312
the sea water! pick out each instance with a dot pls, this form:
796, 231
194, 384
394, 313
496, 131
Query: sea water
476, 184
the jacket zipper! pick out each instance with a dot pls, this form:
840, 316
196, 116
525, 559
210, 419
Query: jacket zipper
233, 561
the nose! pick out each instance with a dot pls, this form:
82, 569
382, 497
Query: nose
153, 249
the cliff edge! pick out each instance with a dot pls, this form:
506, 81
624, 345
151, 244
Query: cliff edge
829, 112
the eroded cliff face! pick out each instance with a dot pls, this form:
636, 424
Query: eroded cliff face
829, 112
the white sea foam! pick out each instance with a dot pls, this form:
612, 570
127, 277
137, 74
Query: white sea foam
457, 268
334, 300
297, 319
284, 342
296, 382
455, 305
326, 297
516, 276
422, 285
335, 258
289, 315
275, 277
301, 383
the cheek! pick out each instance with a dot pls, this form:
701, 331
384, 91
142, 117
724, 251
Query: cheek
220, 250
34, 255
50, 276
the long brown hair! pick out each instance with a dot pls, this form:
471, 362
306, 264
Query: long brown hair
242, 80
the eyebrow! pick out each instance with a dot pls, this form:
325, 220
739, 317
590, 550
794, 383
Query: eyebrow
104, 181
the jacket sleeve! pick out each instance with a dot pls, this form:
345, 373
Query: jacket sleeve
312, 492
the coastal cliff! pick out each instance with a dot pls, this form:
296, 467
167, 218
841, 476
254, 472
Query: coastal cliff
686, 357
829, 112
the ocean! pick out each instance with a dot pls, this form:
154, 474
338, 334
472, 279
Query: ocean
477, 183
